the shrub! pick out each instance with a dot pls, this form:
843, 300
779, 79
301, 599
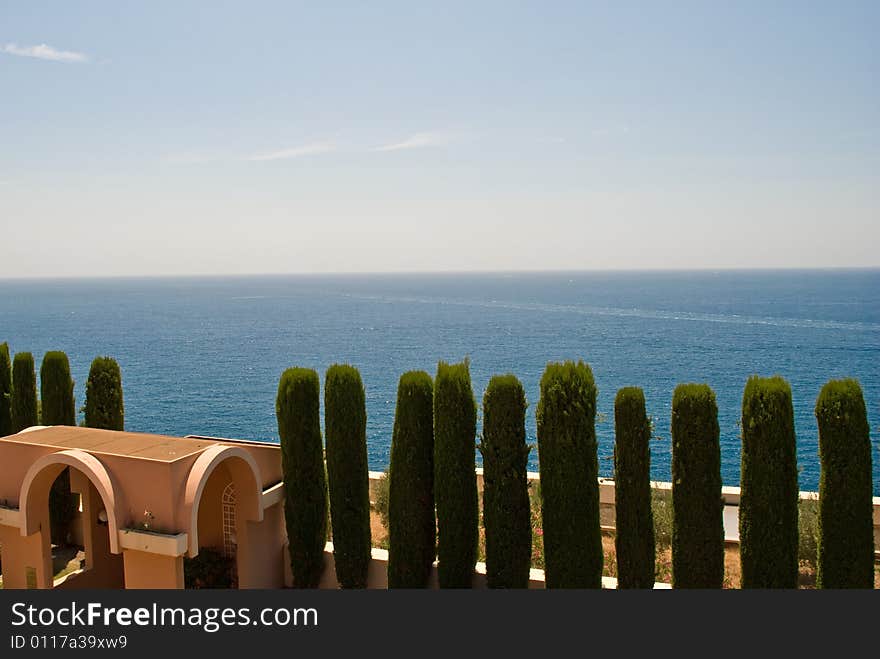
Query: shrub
381, 504
846, 540
211, 568
6, 425
768, 509
297, 408
455, 478
58, 409
104, 407
535, 518
411, 522
506, 506
634, 536
24, 392
661, 511
697, 507
348, 474
808, 531
567, 451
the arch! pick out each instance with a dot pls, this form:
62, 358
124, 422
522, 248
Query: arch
248, 486
45, 470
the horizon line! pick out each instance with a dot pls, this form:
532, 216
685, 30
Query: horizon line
406, 273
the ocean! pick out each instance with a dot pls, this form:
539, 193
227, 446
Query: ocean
203, 355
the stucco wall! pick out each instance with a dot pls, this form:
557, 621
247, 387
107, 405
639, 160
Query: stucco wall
19, 553
146, 570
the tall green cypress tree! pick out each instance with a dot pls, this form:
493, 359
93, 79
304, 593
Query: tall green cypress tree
568, 456
455, 478
24, 392
768, 509
56, 390
634, 520
506, 510
697, 507
846, 533
412, 526
297, 408
6, 425
348, 473
104, 406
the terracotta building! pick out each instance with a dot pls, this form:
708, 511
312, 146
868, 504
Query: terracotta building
146, 502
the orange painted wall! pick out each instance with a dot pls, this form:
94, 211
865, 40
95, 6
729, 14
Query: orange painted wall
145, 570
21, 552
261, 550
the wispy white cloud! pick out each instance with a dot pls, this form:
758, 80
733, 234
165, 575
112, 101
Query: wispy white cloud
201, 157
417, 141
294, 152
46, 52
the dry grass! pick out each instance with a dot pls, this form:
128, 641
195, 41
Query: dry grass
663, 524
377, 530
663, 572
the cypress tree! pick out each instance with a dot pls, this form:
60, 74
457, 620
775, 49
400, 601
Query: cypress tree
6, 425
104, 406
697, 507
58, 409
846, 540
302, 461
634, 536
567, 451
348, 473
24, 392
455, 478
56, 390
768, 509
411, 518
506, 511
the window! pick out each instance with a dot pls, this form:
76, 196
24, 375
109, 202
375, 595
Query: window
229, 544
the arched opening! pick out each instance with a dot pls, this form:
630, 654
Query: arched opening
224, 497
90, 532
66, 527
215, 564
84, 553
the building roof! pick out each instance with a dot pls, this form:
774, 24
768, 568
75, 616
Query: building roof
144, 446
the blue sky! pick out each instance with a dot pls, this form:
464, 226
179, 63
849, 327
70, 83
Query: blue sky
207, 138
